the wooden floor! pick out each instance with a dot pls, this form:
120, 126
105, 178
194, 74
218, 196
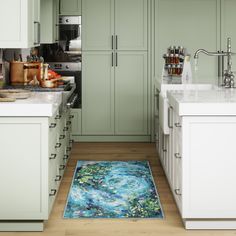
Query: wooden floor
170, 225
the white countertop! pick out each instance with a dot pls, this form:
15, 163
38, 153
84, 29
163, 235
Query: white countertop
38, 104
217, 101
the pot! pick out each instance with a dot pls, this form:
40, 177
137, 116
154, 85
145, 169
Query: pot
50, 83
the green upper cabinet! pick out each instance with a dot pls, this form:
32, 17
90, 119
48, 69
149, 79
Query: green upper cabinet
49, 21
228, 20
131, 117
70, 7
114, 24
97, 24
131, 24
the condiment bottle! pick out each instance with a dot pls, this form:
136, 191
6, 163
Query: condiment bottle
173, 70
172, 60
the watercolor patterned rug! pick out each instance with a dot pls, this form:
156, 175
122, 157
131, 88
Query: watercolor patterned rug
113, 189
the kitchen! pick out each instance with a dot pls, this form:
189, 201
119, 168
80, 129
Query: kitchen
123, 43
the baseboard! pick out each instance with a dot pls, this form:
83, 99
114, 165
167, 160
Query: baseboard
26, 226
112, 138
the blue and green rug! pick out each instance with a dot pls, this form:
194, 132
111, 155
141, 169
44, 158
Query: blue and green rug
115, 189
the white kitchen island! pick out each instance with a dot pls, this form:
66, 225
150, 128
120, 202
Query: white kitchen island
35, 146
202, 157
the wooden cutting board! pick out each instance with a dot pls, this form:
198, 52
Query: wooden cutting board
7, 99
14, 93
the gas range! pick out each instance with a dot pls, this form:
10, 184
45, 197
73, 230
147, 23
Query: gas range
33, 88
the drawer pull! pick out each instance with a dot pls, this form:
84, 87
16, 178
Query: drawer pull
178, 156
66, 128
178, 125
58, 117
53, 192
169, 118
58, 178
58, 145
71, 116
177, 192
68, 149
68, 123
53, 156
66, 157
71, 141
62, 167
62, 137
53, 125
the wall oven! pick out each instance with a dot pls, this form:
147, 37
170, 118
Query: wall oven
70, 34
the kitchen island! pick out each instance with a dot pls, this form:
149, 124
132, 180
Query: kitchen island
200, 165
35, 147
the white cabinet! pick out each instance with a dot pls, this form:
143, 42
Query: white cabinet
34, 153
19, 24
200, 165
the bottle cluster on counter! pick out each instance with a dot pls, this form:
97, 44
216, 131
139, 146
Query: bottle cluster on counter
174, 60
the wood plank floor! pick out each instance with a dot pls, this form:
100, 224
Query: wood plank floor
171, 225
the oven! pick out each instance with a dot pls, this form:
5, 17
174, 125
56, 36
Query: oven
71, 69
70, 34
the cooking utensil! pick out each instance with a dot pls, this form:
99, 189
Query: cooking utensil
52, 83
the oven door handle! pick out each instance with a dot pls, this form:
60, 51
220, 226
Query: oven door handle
72, 100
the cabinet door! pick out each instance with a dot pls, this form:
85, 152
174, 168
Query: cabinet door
98, 24
70, 7
131, 116
228, 19
192, 24
98, 94
131, 24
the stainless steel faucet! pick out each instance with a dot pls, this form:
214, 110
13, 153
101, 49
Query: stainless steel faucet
228, 74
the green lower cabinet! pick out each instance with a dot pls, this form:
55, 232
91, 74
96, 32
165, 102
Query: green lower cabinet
76, 121
131, 94
98, 94
70, 7
114, 99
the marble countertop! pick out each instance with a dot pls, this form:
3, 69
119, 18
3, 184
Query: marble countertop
38, 104
215, 101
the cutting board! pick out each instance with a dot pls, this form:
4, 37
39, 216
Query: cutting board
7, 99
15, 93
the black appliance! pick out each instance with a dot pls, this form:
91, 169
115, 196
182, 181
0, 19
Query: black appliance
70, 34
71, 69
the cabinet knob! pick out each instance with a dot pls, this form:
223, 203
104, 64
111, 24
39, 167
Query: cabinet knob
53, 192
71, 116
58, 145
53, 156
68, 149
53, 125
66, 157
178, 156
62, 136
58, 117
58, 178
177, 192
66, 128
62, 167
178, 125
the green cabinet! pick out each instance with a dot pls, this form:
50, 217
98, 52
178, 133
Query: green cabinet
131, 93
114, 69
98, 24
114, 24
114, 98
98, 94
49, 21
70, 7
131, 24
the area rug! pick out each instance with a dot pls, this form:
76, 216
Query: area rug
113, 189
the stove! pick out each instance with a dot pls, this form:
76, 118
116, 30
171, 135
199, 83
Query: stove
33, 88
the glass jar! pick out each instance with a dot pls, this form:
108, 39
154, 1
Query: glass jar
178, 70
169, 70
176, 58
171, 49
173, 69
172, 59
